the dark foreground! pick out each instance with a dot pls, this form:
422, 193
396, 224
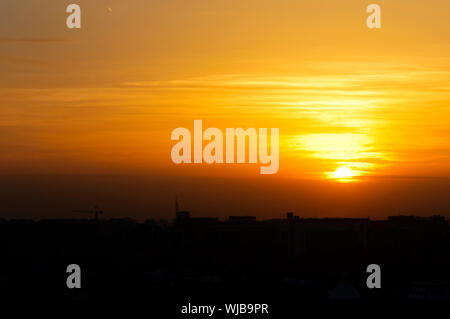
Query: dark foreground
286, 263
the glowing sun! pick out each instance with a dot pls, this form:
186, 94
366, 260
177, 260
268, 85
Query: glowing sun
343, 172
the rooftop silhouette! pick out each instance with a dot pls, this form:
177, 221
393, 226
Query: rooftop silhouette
308, 255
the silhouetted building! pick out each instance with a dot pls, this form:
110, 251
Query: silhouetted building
182, 215
242, 219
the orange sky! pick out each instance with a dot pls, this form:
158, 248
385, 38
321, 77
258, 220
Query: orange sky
104, 99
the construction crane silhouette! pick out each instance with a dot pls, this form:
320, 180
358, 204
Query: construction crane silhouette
94, 211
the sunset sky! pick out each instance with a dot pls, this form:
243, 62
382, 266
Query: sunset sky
103, 101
